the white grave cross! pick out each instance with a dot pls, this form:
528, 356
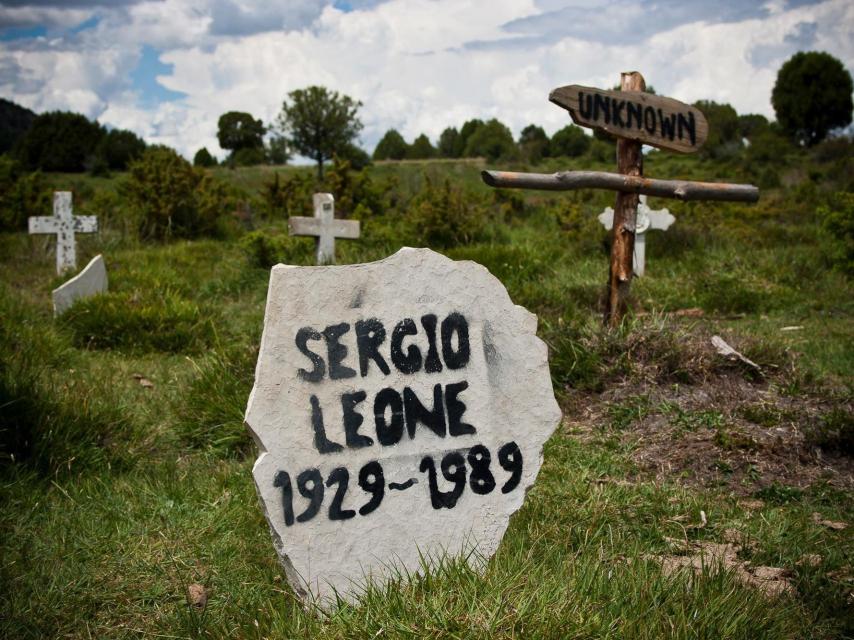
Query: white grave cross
324, 226
646, 219
64, 224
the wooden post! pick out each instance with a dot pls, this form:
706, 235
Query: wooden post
629, 162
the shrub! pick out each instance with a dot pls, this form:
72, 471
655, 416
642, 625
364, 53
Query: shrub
265, 250
248, 157
837, 221
164, 322
444, 216
288, 196
21, 195
172, 198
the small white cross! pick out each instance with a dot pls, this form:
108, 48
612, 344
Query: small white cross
324, 226
646, 219
64, 224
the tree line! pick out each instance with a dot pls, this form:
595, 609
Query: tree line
811, 96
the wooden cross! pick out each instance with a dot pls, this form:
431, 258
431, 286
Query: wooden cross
646, 219
635, 118
324, 226
64, 224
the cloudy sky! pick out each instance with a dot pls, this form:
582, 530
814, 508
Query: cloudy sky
167, 69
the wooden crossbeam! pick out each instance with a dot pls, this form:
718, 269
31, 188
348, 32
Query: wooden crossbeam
572, 180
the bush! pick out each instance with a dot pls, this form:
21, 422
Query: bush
247, 157
445, 216
21, 195
172, 198
138, 324
265, 250
837, 222
289, 196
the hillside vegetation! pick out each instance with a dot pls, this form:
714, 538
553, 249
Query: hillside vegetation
126, 469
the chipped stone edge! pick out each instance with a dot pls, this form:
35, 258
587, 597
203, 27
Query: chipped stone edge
72, 281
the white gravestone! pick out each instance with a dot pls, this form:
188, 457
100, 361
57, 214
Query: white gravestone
400, 408
64, 224
89, 282
324, 226
646, 219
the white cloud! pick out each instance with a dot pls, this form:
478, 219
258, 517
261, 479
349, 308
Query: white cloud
417, 65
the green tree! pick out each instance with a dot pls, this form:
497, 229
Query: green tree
450, 143
119, 147
570, 141
277, 150
811, 96
421, 148
533, 143
355, 156
467, 131
319, 123
59, 141
203, 158
15, 121
724, 129
750, 124
391, 146
238, 130
493, 140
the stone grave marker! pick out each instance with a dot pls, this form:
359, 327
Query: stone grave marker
400, 408
324, 226
90, 281
64, 224
646, 219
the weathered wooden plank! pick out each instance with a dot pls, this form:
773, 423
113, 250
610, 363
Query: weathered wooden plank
571, 180
629, 164
654, 120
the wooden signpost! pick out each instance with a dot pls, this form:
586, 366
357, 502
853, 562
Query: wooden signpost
636, 118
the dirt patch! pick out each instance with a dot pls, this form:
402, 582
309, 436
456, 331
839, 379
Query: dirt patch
723, 556
726, 430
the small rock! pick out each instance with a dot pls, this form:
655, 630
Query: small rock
143, 381
197, 596
809, 560
830, 524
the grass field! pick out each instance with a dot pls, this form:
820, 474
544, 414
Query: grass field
126, 474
